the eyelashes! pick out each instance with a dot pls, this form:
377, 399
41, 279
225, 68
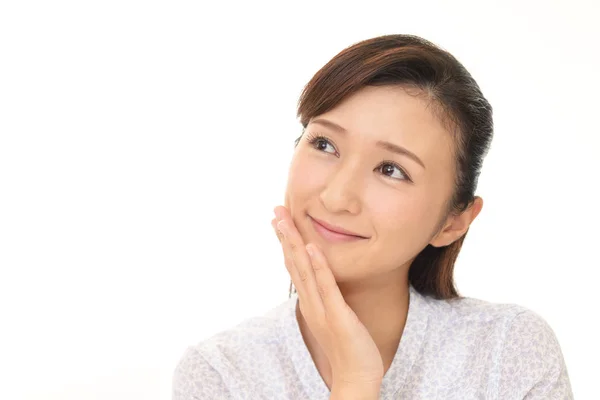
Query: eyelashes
313, 139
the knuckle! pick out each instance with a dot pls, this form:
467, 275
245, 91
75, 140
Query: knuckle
303, 275
323, 290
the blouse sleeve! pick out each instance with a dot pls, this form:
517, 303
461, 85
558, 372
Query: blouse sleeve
195, 379
532, 363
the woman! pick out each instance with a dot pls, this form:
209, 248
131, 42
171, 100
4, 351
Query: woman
379, 199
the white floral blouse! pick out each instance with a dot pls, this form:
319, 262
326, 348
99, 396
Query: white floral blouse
450, 349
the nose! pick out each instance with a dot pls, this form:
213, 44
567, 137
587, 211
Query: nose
342, 190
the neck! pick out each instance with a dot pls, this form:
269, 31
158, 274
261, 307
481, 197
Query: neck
381, 304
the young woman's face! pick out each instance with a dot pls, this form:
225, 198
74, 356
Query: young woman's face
395, 200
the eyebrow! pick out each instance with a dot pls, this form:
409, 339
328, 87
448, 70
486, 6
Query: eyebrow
394, 148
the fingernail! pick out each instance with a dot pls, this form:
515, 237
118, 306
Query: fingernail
310, 251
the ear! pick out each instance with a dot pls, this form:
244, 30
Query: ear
456, 225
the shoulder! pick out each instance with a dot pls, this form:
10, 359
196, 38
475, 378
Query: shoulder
471, 313
244, 344
532, 363
194, 378
224, 364
526, 358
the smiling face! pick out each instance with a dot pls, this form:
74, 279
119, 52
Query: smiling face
381, 165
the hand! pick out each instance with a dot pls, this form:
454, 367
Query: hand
353, 355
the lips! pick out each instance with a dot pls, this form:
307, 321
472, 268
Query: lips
337, 229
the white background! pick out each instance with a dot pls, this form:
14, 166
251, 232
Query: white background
144, 144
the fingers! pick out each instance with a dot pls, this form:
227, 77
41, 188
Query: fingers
298, 264
277, 233
302, 271
310, 272
327, 287
288, 261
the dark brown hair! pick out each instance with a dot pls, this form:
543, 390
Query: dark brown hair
411, 61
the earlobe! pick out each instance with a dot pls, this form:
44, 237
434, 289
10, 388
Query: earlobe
457, 225
442, 238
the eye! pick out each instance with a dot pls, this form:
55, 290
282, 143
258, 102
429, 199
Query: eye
388, 167
320, 143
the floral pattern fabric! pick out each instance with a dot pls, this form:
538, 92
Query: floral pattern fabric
450, 349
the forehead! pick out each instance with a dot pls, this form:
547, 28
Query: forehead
401, 115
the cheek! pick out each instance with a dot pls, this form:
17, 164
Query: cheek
304, 178
406, 220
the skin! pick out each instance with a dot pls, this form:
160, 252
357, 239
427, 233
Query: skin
353, 297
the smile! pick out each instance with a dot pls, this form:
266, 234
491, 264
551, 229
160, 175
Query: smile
332, 236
